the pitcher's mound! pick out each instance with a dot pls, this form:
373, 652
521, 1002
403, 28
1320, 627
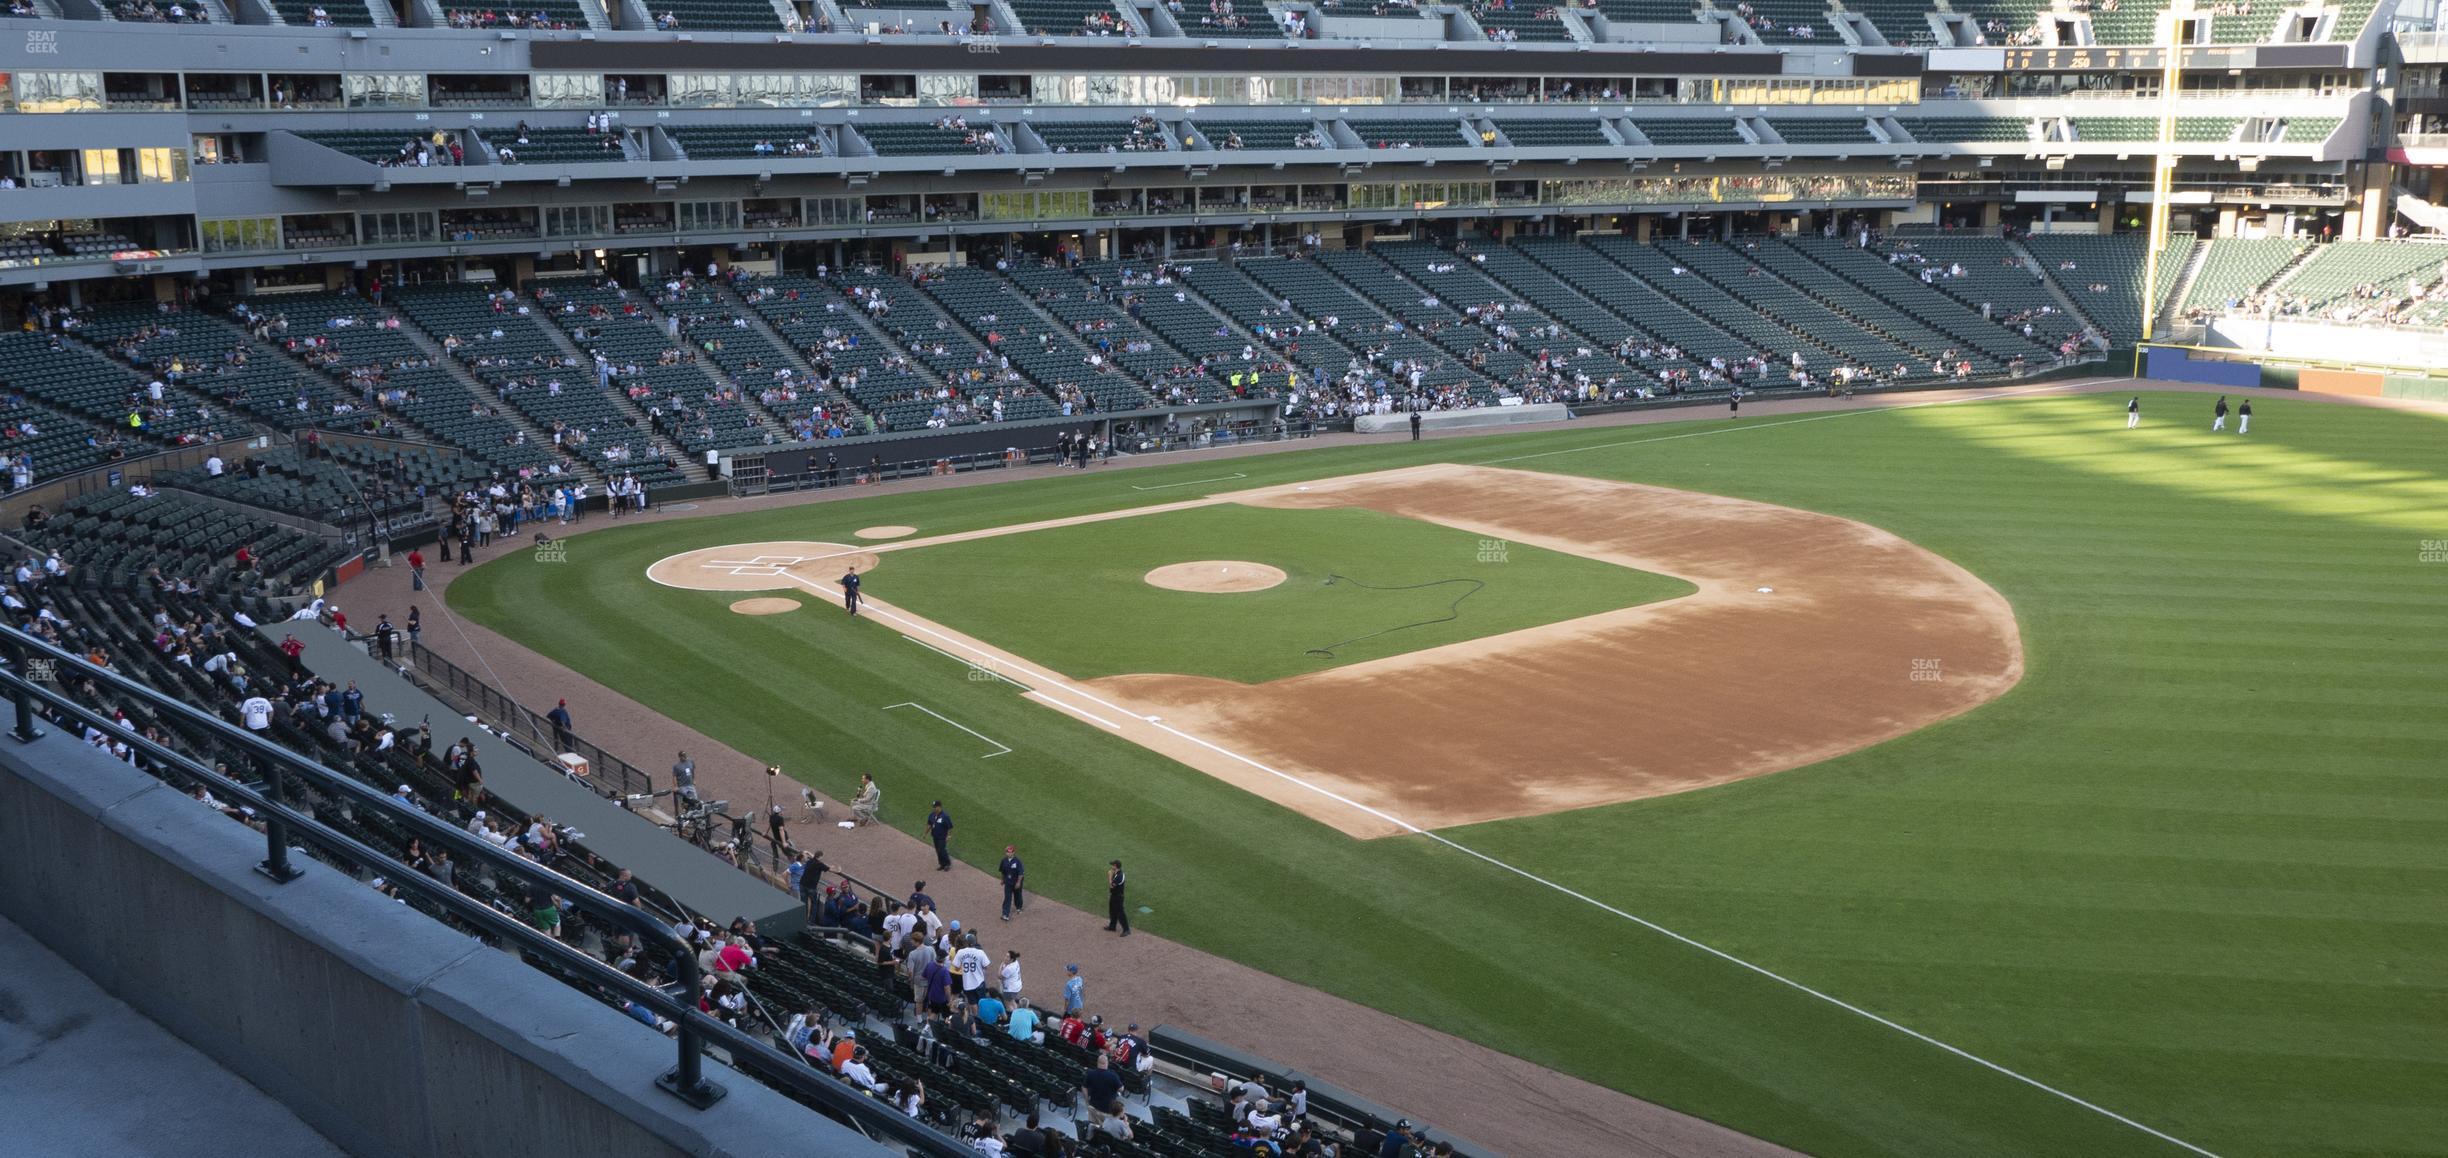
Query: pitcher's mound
767, 566
765, 605
888, 531
1216, 577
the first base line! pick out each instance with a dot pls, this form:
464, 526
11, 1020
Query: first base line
1693, 943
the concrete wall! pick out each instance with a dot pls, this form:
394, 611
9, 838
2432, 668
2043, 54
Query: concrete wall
1458, 419
389, 1033
2362, 345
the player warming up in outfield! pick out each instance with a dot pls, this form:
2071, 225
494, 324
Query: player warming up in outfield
2218, 415
2133, 412
2244, 417
850, 590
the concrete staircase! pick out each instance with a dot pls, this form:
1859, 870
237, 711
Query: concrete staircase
2182, 288
713, 373
802, 371
2031, 265
537, 435
691, 466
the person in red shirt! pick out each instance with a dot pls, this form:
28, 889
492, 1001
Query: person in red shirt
296, 651
416, 569
339, 620
245, 557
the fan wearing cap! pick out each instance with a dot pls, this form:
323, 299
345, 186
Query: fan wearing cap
1075, 991
856, 1071
1398, 1142
561, 725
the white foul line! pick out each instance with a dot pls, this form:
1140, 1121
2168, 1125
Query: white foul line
975, 667
1082, 713
1192, 482
1006, 748
1584, 898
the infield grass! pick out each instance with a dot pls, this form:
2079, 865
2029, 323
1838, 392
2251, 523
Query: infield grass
2191, 870
1359, 585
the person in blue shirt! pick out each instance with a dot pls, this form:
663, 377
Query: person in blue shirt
1075, 991
1023, 1021
850, 590
990, 1010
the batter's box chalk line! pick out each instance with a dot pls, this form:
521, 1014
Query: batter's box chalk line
1001, 748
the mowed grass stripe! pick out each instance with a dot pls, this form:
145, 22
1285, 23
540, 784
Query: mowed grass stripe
2071, 777
2166, 682
1360, 585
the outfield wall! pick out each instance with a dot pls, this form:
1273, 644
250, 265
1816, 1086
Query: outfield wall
2252, 368
388, 1032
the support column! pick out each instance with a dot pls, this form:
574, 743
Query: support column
1991, 211
1642, 227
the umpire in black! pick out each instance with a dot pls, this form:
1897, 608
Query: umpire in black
1116, 915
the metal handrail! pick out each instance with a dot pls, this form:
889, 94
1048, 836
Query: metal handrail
282, 821
608, 775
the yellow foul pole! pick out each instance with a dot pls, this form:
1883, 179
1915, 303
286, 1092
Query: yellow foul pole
2163, 170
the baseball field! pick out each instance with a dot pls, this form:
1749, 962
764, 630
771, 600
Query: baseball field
1964, 779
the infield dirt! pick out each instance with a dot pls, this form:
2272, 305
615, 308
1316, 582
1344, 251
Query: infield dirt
1810, 636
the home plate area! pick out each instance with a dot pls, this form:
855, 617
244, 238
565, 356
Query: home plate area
761, 566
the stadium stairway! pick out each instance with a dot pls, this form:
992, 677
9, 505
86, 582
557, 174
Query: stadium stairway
1896, 303
476, 387
1506, 267
799, 319
1771, 335
1061, 361
1251, 309
2181, 286
646, 335
718, 373
1441, 324
1319, 294
947, 350
1585, 271
2030, 265
1749, 275
1464, 285
739, 359
1167, 365
2241, 269
1995, 273
727, 294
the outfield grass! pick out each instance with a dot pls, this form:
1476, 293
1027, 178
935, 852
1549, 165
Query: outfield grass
2191, 869
1359, 585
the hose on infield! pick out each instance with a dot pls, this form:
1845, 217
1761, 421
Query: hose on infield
1453, 611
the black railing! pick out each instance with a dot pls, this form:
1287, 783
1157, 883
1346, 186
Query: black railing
754, 849
1122, 445
608, 774
35, 690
